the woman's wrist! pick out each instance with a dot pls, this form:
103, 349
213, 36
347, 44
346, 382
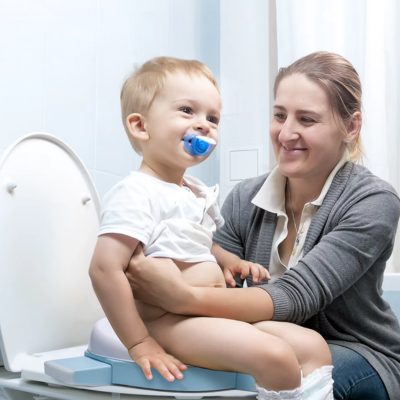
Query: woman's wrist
248, 305
187, 301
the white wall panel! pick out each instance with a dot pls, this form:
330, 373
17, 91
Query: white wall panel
116, 52
248, 62
21, 101
154, 23
22, 60
69, 73
105, 181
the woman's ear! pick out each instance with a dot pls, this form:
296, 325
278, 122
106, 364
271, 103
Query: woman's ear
136, 124
354, 126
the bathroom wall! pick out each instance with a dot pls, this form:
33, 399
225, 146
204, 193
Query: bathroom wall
63, 64
248, 69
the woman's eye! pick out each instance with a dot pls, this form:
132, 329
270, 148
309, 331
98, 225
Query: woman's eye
280, 116
186, 110
307, 120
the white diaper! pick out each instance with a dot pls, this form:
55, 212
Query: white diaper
317, 386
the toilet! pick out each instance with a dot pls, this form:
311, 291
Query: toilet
52, 328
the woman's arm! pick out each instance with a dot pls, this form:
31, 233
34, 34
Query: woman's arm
243, 304
364, 234
161, 282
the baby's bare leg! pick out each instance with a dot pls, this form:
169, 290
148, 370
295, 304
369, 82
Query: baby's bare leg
228, 345
311, 350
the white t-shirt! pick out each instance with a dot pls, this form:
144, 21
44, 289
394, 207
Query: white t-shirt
171, 221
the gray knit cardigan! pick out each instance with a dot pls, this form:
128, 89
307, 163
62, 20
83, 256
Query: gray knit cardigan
336, 287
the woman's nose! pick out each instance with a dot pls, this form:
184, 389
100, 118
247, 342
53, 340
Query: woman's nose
288, 131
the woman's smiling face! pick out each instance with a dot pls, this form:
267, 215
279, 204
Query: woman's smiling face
306, 139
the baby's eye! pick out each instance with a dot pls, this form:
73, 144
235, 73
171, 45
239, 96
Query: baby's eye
213, 120
186, 110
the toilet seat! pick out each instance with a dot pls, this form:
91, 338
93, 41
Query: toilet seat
48, 230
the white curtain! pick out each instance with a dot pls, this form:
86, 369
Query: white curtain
367, 33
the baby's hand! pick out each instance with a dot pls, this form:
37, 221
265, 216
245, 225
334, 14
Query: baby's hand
149, 353
245, 268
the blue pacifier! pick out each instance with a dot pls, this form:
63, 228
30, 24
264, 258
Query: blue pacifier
198, 145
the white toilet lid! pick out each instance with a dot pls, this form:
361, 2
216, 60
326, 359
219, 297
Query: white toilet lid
48, 230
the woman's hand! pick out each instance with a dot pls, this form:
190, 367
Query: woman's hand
149, 354
158, 281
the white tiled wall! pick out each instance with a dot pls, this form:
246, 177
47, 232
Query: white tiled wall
63, 63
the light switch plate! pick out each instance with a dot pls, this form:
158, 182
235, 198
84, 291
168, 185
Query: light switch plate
242, 162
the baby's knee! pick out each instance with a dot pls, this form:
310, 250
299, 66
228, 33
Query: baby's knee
276, 367
316, 349
276, 355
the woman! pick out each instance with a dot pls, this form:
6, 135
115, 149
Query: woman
323, 226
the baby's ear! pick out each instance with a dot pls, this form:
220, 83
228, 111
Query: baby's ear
137, 127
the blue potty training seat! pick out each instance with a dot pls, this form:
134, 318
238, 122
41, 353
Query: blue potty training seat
107, 362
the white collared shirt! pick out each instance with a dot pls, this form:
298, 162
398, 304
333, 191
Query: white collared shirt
271, 197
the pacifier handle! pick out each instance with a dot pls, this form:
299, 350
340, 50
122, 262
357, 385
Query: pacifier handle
198, 145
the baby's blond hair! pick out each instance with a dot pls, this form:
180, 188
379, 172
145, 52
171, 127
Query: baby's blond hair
146, 82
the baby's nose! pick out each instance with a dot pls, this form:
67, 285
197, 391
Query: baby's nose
202, 128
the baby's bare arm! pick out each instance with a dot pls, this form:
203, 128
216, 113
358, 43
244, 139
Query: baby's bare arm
110, 259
